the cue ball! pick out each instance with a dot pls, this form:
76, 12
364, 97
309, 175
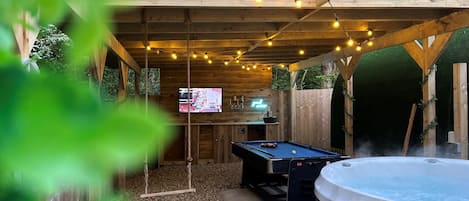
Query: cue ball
293, 151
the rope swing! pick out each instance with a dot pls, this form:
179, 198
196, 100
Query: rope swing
189, 145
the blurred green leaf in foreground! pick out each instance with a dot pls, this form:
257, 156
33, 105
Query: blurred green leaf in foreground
54, 133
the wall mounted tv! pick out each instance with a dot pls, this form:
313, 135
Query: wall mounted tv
201, 100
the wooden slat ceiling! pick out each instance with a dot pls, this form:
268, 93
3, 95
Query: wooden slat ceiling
222, 31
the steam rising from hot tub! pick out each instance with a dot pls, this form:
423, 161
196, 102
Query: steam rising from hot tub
394, 178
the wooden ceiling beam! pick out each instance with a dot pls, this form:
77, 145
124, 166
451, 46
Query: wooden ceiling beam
227, 28
291, 4
248, 36
450, 23
175, 15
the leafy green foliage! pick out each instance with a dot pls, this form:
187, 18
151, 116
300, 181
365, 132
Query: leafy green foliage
314, 78
110, 84
280, 79
153, 82
54, 132
49, 48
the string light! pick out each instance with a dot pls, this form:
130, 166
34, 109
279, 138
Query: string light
148, 47
369, 43
254, 67
336, 23
369, 32
226, 63
194, 55
237, 60
268, 68
350, 42
298, 3
301, 52
358, 48
282, 65
174, 56
258, 1
210, 61
338, 48
243, 67
239, 52
248, 69
206, 55
270, 43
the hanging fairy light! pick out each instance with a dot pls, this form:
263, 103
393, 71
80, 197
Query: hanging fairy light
301, 52
210, 61
237, 60
358, 48
338, 48
336, 23
370, 43
194, 55
174, 56
369, 32
282, 65
243, 67
226, 63
206, 55
259, 1
270, 43
254, 66
239, 52
148, 47
268, 68
350, 42
248, 69
298, 3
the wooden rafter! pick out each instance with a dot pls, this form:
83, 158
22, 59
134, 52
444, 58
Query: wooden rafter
443, 25
347, 66
425, 54
24, 36
290, 3
100, 62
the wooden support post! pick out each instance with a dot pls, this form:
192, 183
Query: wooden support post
123, 78
100, 62
25, 37
460, 107
347, 67
291, 134
425, 55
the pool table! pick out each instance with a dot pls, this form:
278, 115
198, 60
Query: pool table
281, 164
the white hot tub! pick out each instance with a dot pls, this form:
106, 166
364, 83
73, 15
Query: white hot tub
394, 178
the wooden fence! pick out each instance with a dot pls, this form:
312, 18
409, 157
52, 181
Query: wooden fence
312, 117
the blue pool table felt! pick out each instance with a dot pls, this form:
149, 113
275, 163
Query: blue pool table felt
284, 150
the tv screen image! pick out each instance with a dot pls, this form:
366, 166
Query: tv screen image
201, 100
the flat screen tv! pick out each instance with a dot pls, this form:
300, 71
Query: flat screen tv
200, 100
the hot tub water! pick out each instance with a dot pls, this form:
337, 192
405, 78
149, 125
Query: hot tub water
394, 178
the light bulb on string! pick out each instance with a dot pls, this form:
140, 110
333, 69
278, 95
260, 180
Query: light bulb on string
248, 68
270, 42
259, 1
301, 52
174, 56
336, 23
369, 43
298, 3
243, 67
237, 60
239, 52
210, 61
254, 66
268, 68
148, 47
194, 55
282, 65
369, 32
350, 42
358, 48
206, 55
337, 48
226, 63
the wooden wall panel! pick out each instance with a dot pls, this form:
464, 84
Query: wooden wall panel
206, 142
234, 81
313, 115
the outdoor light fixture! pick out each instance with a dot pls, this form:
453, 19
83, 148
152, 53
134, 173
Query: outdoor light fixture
358, 48
243, 67
282, 65
148, 47
258, 1
226, 63
298, 3
248, 69
210, 61
268, 68
237, 60
206, 55
369, 32
194, 55
350, 42
174, 56
239, 52
270, 43
370, 43
301, 52
254, 66
336, 23
338, 48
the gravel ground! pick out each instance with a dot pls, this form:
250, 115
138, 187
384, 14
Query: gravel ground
209, 180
